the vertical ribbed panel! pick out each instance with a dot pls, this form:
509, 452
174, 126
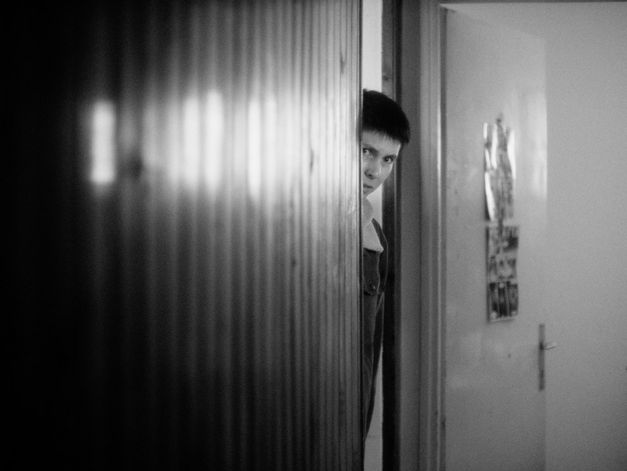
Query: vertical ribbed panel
214, 205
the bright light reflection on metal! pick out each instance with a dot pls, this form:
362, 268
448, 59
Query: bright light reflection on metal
266, 165
289, 127
254, 148
172, 145
214, 130
191, 141
151, 145
275, 168
103, 169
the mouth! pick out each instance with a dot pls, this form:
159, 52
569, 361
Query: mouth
367, 187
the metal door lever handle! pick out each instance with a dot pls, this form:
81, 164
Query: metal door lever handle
543, 347
549, 346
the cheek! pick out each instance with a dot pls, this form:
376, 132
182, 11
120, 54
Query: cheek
386, 172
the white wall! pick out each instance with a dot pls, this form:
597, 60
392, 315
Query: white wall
586, 46
371, 44
371, 73
371, 68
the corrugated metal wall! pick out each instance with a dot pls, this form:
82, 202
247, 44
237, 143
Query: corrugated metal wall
194, 293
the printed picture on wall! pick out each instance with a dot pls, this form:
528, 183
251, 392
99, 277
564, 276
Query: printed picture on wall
502, 254
498, 143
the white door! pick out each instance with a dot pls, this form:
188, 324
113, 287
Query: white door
494, 406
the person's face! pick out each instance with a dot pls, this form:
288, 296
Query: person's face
378, 154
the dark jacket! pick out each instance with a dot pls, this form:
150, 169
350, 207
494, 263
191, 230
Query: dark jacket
374, 277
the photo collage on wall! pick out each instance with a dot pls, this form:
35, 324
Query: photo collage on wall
502, 238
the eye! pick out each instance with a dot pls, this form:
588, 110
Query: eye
388, 159
365, 151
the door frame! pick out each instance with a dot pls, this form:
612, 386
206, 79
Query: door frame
391, 353
414, 221
421, 195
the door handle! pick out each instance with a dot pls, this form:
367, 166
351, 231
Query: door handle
543, 346
548, 346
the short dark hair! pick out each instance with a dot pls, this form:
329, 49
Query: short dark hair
382, 114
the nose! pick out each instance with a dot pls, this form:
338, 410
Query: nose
372, 168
